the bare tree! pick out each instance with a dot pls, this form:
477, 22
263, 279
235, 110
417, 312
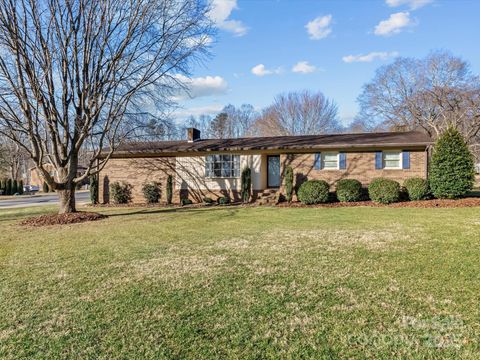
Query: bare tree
83, 74
431, 93
299, 113
13, 159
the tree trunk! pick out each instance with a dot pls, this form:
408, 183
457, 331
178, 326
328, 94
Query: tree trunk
67, 200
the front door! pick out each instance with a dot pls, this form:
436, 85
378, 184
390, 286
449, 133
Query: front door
273, 171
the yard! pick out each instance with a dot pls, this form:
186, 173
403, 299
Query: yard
243, 283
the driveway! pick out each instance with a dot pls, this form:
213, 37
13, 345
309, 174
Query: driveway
82, 197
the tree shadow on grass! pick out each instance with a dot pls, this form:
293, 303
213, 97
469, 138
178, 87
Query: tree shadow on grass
229, 211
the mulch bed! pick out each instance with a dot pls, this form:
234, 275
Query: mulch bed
433, 203
62, 219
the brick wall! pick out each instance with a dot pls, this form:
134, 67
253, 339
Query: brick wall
360, 166
136, 172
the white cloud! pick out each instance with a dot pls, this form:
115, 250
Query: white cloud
394, 24
319, 27
383, 55
197, 111
413, 4
201, 86
261, 70
220, 12
303, 67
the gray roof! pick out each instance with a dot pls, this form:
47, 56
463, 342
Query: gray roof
304, 142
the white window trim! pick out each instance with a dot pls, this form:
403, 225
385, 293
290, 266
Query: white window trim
223, 177
322, 160
392, 152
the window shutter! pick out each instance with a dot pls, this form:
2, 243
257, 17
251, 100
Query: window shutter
378, 160
343, 161
317, 165
406, 159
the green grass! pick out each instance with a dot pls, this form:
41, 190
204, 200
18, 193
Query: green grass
244, 283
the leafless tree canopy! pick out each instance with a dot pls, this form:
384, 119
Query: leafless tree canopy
431, 93
299, 113
82, 74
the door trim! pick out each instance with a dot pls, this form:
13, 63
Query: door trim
268, 172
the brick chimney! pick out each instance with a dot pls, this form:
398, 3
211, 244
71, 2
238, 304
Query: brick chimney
193, 134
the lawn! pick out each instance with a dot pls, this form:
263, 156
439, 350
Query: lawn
244, 283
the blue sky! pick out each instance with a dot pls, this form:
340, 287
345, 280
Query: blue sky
266, 47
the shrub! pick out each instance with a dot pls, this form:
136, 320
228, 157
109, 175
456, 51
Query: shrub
246, 184
169, 189
45, 187
223, 200
349, 190
384, 191
314, 192
185, 201
121, 192
8, 187
207, 200
151, 192
417, 188
93, 189
289, 183
452, 171
20, 187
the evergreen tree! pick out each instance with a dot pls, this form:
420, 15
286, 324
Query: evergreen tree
94, 190
2, 186
8, 187
246, 184
46, 189
14, 186
452, 171
20, 187
169, 189
289, 183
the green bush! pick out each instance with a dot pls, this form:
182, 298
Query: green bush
8, 187
207, 200
20, 187
452, 171
169, 189
384, 191
288, 183
93, 189
417, 188
185, 201
151, 192
45, 187
349, 190
246, 184
223, 200
121, 193
314, 192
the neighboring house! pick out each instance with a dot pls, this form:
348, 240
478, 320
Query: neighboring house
212, 167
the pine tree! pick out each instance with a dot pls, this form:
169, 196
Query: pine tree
20, 187
94, 190
46, 189
452, 171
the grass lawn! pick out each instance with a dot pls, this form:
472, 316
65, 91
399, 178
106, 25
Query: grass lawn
244, 283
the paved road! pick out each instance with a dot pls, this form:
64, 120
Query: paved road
82, 198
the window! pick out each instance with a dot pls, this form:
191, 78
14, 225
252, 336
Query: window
330, 161
222, 166
392, 159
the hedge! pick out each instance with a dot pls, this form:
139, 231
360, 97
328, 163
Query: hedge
384, 191
349, 190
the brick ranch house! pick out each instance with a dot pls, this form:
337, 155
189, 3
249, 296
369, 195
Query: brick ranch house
212, 167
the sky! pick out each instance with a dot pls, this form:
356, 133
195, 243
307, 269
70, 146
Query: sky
267, 47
